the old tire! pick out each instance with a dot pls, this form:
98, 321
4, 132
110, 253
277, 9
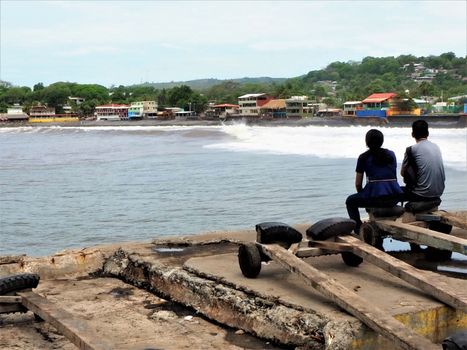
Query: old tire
371, 234
351, 259
330, 228
277, 232
249, 260
18, 282
437, 255
415, 248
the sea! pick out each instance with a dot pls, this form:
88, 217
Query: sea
75, 187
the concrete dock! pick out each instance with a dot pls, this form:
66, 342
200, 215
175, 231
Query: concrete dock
112, 286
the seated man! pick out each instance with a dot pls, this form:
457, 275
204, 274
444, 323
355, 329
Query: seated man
422, 168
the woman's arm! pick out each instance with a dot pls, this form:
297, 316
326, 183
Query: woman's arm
358, 181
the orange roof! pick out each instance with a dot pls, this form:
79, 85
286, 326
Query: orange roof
274, 104
375, 98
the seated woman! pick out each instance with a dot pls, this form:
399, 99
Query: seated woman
381, 190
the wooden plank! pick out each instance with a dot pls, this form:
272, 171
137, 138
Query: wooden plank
8, 299
74, 329
454, 219
423, 236
307, 252
372, 316
427, 281
7, 308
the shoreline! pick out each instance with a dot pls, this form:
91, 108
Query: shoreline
435, 121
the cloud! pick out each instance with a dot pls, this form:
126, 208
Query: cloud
233, 38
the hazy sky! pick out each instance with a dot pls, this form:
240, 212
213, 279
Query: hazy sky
128, 42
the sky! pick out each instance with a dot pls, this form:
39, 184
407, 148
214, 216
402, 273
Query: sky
129, 42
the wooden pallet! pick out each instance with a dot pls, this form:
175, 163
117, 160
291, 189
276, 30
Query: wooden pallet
74, 329
426, 281
370, 315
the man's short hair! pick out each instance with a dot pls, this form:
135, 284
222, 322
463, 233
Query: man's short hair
420, 129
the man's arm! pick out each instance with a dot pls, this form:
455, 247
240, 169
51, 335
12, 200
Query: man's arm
358, 181
404, 165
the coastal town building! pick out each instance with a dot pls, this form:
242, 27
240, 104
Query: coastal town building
44, 114
250, 104
41, 111
142, 109
181, 114
315, 107
14, 113
222, 111
329, 112
377, 105
111, 111
298, 107
351, 107
274, 109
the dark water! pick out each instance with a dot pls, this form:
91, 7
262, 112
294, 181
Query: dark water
77, 187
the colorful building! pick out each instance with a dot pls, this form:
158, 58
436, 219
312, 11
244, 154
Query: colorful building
44, 114
250, 104
142, 109
377, 105
351, 107
111, 111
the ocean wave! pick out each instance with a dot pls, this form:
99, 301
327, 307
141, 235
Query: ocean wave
337, 142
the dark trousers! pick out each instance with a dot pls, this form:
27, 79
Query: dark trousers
409, 196
356, 201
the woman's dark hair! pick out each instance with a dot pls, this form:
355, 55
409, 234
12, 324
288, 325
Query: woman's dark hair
374, 140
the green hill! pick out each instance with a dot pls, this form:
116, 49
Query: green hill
203, 84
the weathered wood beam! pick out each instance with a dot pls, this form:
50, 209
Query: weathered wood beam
426, 281
372, 316
9, 299
74, 329
459, 220
423, 236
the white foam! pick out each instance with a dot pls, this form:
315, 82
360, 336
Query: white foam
338, 142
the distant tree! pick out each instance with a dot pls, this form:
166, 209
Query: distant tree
87, 107
425, 89
162, 99
56, 95
38, 86
15, 94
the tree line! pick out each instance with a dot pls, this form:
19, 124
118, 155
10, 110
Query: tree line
335, 84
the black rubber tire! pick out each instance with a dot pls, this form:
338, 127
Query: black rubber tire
371, 234
438, 255
18, 282
415, 248
351, 259
329, 228
249, 260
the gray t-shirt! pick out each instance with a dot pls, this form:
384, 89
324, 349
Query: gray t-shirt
430, 172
